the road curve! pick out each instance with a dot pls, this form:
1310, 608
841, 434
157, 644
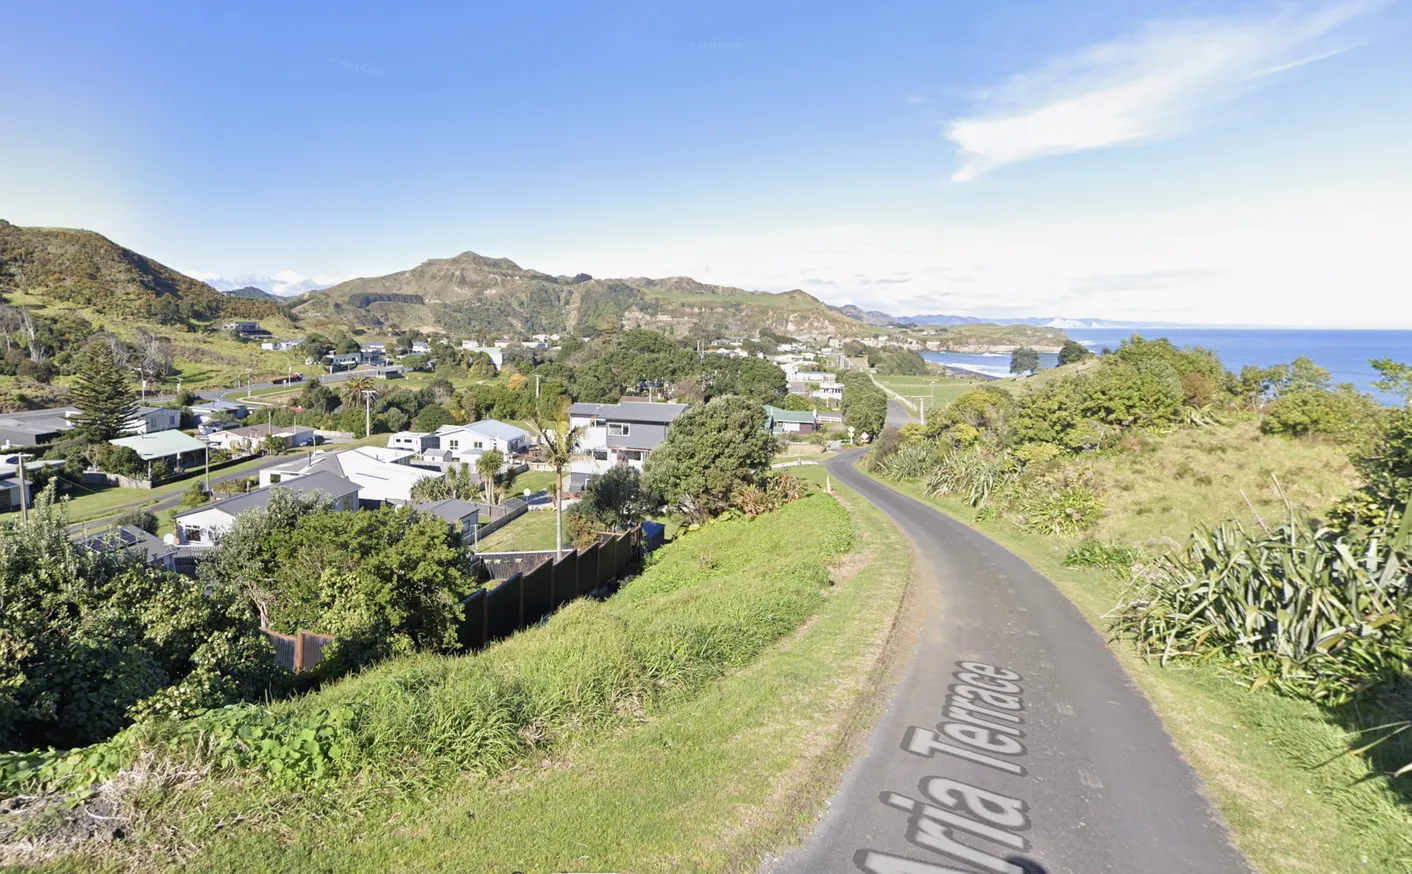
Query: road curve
1014, 742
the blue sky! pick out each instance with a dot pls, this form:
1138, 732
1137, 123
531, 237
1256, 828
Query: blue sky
1195, 161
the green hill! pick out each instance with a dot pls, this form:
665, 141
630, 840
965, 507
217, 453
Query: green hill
472, 293
64, 266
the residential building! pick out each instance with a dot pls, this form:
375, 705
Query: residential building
203, 526
150, 420
483, 436
622, 432
464, 515
281, 345
34, 427
210, 410
389, 372
133, 541
172, 448
10, 492
781, 421
831, 392
383, 476
421, 347
496, 353
252, 438
345, 359
374, 353
414, 441
241, 327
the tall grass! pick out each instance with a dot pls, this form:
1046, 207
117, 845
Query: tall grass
712, 602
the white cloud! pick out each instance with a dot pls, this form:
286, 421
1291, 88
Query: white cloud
1144, 86
285, 283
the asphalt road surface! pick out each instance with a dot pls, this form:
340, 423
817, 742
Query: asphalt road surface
1014, 742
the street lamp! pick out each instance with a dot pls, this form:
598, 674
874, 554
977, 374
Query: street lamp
368, 395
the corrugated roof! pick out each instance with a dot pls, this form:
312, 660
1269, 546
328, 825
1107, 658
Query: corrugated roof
324, 482
497, 430
161, 444
779, 414
652, 413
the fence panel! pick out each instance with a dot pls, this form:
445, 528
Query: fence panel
472, 632
587, 570
538, 599
565, 586
284, 648
504, 609
310, 649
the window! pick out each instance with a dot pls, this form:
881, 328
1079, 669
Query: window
619, 429
274, 479
193, 535
480, 444
455, 444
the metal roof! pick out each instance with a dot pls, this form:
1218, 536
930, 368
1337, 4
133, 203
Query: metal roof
778, 414
323, 482
161, 444
497, 430
650, 413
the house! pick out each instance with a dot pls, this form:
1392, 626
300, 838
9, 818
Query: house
383, 476
414, 441
483, 436
241, 327
496, 353
10, 492
464, 515
132, 541
374, 353
252, 438
780, 421
622, 433
832, 392
34, 427
813, 376
219, 410
421, 347
172, 448
281, 345
204, 525
345, 359
150, 420
390, 372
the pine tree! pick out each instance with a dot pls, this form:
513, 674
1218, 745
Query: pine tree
102, 394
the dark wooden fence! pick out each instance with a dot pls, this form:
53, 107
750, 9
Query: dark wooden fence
299, 651
527, 597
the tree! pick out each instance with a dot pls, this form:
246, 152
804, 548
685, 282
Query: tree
560, 443
101, 392
487, 466
864, 404
616, 499
762, 381
1024, 360
710, 451
93, 640
1396, 377
137, 517
430, 418
1072, 352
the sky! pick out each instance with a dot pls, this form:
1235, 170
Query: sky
1204, 162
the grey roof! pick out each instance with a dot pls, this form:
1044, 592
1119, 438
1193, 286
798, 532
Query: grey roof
451, 509
125, 537
578, 482
655, 414
497, 430
323, 482
162, 444
267, 430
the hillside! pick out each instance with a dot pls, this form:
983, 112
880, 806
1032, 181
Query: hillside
470, 292
64, 266
988, 338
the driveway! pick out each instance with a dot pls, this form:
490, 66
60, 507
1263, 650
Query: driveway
1014, 742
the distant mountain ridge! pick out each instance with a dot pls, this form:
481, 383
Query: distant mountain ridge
471, 292
250, 292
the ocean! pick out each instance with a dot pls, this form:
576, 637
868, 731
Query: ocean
1344, 354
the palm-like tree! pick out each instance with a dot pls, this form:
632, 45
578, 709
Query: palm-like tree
488, 465
354, 390
559, 442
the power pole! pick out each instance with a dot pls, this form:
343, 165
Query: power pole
24, 492
368, 411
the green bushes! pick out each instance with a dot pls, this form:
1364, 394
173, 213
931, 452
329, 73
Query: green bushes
1064, 512
864, 404
707, 604
1308, 611
1343, 414
1111, 556
973, 475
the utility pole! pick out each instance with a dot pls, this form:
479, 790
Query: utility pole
208, 468
368, 411
24, 491
247, 383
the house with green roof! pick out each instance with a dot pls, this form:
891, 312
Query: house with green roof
781, 421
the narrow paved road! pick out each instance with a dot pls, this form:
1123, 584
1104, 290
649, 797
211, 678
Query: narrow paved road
1014, 742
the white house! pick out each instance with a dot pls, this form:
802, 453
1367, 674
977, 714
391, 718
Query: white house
346, 359
253, 437
413, 441
496, 353
219, 409
149, 420
483, 436
204, 525
383, 476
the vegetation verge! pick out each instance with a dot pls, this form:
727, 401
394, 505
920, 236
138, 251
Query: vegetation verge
728, 665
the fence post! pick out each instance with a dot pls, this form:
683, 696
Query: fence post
298, 650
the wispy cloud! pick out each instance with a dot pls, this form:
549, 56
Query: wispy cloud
1150, 84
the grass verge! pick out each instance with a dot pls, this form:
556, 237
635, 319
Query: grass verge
1275, 767
694, 722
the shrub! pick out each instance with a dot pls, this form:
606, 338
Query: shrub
138, 517
1065, 512
1311, 612
974, 475
912, 462
888, 442
1343, 414
1110, 556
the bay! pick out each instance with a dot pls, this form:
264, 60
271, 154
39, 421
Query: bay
1345, 354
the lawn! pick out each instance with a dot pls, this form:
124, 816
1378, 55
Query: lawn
529, 533
1274, 766
93, 504
755, 722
